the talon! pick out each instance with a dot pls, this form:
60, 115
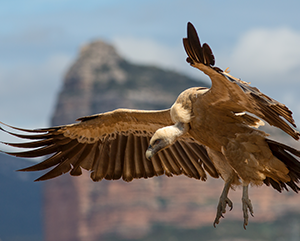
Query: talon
230, 204
223, 202
221, 209
246, 205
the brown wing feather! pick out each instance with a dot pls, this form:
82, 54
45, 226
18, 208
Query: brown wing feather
283, 153
196, 52
139, 170
165, 164
101, 160
175, 167
194, 159
232, 94
149, 171
128, 169
209, 58
119, 162
118, 153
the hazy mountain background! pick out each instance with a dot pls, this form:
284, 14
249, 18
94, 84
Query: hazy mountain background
178, 208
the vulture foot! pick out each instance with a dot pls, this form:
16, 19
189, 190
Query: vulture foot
222, 208
246, 204
224, 200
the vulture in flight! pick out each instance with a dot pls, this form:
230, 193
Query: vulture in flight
206, 131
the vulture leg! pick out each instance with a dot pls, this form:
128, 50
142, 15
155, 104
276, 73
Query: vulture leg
246, 202
224, 200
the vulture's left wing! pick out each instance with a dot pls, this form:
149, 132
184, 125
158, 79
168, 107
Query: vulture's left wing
112, 145
232, 94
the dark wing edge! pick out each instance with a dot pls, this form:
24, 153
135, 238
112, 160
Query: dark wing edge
287, 155
118, 155
253, 101
197, 53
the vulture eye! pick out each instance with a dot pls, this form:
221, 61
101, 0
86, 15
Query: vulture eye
157, 141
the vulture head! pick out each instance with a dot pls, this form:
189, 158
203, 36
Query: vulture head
165, 137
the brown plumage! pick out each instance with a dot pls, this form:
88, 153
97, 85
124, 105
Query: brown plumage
205, 131
234, 146
112, 146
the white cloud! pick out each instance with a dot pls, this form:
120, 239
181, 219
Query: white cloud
268, 54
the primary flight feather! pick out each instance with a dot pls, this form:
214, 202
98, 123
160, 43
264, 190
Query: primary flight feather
207, 130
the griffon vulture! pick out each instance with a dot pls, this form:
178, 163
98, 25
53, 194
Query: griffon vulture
207, 130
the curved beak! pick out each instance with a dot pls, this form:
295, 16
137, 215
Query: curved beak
149, 152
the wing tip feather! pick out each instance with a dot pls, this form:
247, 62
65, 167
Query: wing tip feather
197, 53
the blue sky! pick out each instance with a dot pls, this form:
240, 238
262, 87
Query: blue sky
39, 40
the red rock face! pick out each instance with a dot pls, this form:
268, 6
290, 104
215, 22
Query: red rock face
78, 209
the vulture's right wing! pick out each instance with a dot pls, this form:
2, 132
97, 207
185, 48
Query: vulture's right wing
232, 94
112, 146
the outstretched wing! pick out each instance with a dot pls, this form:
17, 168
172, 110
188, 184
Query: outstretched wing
233, 94
112, 146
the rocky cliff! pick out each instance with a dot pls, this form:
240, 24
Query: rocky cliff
78, 209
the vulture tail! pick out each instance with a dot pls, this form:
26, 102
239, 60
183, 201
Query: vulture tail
288, 156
